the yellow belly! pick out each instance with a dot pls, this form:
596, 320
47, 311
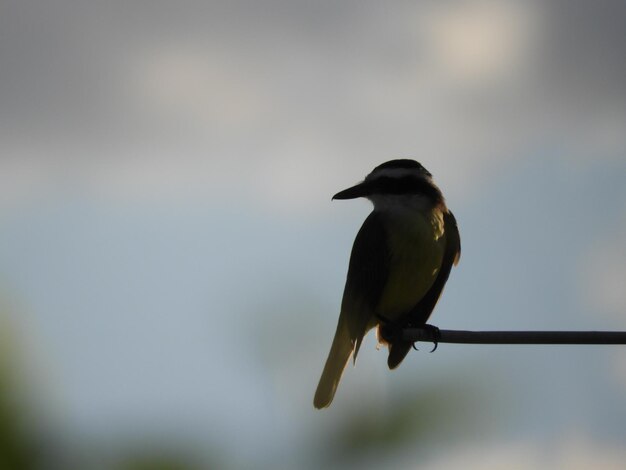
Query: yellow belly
416, 245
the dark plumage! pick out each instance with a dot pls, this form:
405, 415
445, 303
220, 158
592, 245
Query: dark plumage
401, 259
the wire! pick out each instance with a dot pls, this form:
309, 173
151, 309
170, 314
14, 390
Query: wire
434, 335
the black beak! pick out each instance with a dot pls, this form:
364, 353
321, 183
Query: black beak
359, 190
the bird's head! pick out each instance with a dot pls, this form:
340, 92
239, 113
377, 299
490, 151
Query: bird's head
396, 182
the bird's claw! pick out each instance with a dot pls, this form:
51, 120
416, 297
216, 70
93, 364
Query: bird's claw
393, 329
436, 335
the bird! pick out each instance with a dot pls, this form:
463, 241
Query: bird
400, 262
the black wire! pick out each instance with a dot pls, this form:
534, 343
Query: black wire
515, 337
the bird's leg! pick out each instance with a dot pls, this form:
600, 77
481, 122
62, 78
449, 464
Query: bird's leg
389, 330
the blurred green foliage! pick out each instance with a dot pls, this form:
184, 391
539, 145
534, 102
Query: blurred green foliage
420, 419
21, 444
17, 448
418, 416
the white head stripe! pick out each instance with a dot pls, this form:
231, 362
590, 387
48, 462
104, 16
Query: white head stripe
395, 173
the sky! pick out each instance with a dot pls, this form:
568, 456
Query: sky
173, 263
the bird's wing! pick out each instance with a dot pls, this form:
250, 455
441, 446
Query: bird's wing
367, 274
421, 312
454, 242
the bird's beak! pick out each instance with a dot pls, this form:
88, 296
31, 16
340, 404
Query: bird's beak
359, 190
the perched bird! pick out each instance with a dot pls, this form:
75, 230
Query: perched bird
400, 262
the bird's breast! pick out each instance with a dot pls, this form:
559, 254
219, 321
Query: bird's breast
416, 244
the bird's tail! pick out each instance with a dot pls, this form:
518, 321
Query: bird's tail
389, 334
338, 357
397, 351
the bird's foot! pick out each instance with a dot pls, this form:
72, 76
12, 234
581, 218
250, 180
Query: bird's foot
435, 333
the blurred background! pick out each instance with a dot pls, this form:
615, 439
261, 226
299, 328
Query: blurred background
171, 264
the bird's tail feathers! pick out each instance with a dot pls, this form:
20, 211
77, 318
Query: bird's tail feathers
338, 357
397, 352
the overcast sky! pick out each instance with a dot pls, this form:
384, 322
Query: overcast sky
165, 180
142, 99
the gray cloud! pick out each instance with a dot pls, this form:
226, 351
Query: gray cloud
215, 91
